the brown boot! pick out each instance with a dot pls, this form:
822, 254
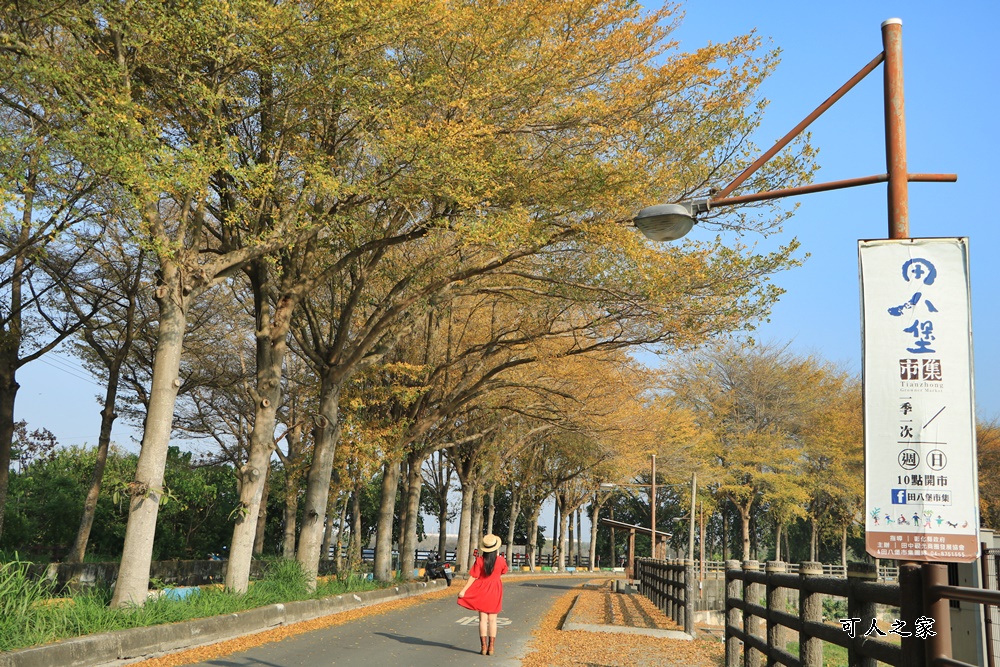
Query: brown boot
489, 649
483, 650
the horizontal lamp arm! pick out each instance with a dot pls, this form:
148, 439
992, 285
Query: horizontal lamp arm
830, 185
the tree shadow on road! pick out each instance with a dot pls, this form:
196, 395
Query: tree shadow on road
417, 641
528, 584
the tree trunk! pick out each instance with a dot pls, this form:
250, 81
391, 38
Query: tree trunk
490, 509
259, 536
579, 538
531, 549
555, 529
291, 513
593, 532
387, 509
443, 527
147, 489
8, 391
10, 343
745, 523
326, 435
843, 548
563, 525
411, 511
777, 540
478, 500
271, 332
463, 550
515, 511
813, 541
725, 534
341, 524
331, 511
108, 415
570, 540
354, 552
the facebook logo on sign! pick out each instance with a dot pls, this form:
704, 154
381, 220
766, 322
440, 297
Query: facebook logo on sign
899, 496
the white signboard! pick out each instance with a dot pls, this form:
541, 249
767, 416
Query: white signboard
921, 487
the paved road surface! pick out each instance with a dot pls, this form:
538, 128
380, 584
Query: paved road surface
431, 634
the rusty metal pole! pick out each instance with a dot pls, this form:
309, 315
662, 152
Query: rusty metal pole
911, 606
939, 644
899, 228
652, 509
895, 129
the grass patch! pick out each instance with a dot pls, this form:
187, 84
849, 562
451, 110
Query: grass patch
31, 612
833, 655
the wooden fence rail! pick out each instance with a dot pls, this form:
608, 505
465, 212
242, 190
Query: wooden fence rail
747, 587
669, 584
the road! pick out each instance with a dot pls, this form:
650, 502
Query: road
435, 633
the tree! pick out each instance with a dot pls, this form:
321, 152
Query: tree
44, 193
760, 405
988, 443
145, 94
106, 346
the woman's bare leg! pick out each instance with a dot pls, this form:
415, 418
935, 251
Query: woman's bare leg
493, 625
484, 624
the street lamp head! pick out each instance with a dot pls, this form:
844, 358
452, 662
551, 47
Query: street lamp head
668, 222
664, 222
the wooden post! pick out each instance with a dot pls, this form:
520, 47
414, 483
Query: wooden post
734, 591
630, 574
689, 597
752, 593
775, 602
670, 608
857, 607
810, 610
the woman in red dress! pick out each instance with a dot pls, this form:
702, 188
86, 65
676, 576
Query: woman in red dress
483, 592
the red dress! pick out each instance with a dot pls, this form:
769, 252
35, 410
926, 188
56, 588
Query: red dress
486, 592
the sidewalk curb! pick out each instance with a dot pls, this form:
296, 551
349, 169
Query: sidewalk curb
112, 648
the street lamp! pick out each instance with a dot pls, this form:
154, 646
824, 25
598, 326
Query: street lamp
665, 222
668, 222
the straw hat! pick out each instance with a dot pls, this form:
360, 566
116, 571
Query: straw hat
489, 543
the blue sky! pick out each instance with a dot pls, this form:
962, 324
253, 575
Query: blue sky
951, 78
951, 75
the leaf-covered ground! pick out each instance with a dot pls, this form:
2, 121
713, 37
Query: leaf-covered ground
552, 647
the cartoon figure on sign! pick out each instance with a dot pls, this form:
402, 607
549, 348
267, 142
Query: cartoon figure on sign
875, 513
927, 518
916, 519
953, 525
888, 519
939, 520
902, 521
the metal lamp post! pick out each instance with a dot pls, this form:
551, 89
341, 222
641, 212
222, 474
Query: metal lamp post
665, 222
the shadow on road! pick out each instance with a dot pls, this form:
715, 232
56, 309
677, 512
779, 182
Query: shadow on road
527, 584
417, 641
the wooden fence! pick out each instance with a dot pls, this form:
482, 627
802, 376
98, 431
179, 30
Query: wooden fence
757, 614
669, 584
